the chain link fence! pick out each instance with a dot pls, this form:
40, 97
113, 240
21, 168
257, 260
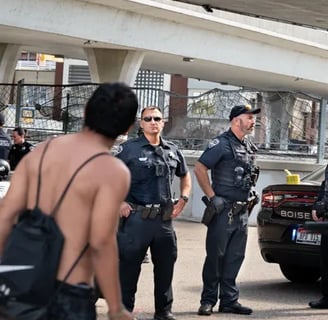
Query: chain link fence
288, 122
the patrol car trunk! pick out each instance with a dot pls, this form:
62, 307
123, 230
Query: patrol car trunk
290, 202
282, 237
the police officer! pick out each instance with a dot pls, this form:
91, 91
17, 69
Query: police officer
319, 213
19, 149
148, 211
5, 141
230, 157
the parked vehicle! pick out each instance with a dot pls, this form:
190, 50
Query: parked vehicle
281, 234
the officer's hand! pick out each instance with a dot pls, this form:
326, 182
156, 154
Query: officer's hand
178, 207
315, 217
320, 208
125, 210
217, 203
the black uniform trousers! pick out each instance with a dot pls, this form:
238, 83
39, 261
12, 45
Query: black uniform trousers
135, 236
225, 252
324, 265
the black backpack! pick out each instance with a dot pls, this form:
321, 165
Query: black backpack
36, 240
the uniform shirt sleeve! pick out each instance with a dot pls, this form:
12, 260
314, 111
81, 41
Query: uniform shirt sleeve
214, 153
182, 168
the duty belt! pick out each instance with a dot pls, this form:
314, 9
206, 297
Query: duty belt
148, 211
237, 207
151, 211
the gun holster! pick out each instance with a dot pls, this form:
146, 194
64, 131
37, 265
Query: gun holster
209, 211
167, 210
208, 215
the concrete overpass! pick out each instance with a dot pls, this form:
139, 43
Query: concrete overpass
118, 37
298, 12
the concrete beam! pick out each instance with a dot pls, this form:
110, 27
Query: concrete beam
223, 51
9, 54
109, 65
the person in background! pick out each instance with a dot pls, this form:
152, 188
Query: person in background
93, 200
19, 149
320, 213
5, 141
230, 157
148, 211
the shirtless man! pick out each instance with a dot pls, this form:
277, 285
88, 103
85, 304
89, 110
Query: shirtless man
89, 212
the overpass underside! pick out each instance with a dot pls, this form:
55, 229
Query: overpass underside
121, 36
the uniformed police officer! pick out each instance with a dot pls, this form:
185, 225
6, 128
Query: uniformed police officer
5, 141
148, 211
319, 213
19, 149
230, 157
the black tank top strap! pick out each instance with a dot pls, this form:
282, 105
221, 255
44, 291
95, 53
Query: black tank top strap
39, 173
60, 200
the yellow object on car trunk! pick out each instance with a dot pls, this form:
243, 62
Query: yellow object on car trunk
292, 178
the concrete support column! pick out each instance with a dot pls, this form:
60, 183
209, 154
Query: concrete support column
109, 65
56, 112
9, 54
178, 107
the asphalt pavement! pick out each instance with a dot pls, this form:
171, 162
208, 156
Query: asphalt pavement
262, 286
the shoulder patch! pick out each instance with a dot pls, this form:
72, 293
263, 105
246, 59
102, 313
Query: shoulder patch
119, 149
213, 143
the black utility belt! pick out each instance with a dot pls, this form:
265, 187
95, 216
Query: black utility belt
151, 211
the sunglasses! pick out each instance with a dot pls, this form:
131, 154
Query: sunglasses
148, 119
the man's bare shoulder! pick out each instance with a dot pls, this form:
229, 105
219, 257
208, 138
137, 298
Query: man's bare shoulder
112, 168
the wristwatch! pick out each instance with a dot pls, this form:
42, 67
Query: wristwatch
185, 198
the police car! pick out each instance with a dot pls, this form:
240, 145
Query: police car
282, 236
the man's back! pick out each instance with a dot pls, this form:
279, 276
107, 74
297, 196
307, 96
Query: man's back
89, 211
99, 179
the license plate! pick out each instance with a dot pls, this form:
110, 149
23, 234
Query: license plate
304, 236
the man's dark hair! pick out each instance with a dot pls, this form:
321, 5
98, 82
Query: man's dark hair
20, 131
111, 109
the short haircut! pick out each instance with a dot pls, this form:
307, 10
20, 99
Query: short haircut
20, 131
150, 108
111, 110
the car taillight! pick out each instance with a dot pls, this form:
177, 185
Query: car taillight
274, 199
271, 199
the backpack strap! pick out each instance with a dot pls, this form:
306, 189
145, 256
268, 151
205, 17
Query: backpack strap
69, 272
39, 173
60, 200
76, 262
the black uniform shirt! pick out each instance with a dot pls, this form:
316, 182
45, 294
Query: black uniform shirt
5, 144
152, 169
226, 156
17, 152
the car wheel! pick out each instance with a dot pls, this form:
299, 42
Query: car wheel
300, 274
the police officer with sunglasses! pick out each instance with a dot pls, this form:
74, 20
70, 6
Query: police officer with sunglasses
146, 216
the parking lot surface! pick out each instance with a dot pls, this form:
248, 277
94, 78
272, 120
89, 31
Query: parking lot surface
262, 286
